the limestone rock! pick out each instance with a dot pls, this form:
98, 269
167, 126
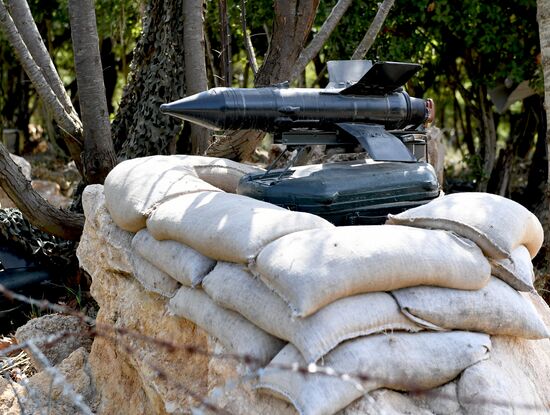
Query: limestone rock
39, 328
44, 391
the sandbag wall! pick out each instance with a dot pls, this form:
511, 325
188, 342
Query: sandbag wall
405, 306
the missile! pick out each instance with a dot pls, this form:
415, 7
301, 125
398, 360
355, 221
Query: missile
359, 94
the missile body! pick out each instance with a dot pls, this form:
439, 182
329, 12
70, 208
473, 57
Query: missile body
274, 109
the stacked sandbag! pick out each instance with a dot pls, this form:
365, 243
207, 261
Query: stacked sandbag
183, 223
313, 268
408, 305
233, 287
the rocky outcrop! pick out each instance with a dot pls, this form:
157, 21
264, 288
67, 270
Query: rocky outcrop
151, 373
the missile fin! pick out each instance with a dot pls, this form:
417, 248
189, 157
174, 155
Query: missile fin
380, 144
383, 78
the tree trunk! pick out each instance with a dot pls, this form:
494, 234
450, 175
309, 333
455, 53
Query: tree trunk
156, 77
71, 126
292, 24
62, 223
195, 65
21, 15
543, 17
99, 155
488, 138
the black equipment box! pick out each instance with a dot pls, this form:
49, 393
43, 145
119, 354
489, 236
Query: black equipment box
361, 192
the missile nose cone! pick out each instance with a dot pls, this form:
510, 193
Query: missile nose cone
205, 108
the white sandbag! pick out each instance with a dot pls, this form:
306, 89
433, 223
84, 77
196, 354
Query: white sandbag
400, 361
498, 225
517, 270
135, 186
233, 287
221, 173
235, 333
152, 278
313, 268
495, 309
225, 226
179, 261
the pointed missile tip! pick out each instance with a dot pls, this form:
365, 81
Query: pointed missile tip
164, 108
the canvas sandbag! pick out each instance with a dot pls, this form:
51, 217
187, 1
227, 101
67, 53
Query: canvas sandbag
233, 287
179, 261
152, 278
498, 225
136, 186
313, 268
221, 173
517, 270
494, 309
225, 226
234, 332
400, 361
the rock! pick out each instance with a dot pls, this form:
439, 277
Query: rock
39, 328
9, 391
51, 191
72, 383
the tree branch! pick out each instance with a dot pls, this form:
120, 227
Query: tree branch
320, 38
247, 41
373, 30
59, 222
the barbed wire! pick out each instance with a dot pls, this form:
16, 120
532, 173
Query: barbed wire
255, 365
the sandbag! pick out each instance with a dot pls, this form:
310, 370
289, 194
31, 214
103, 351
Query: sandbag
152, 278
313, 268
182, 263
232, 330
400, 361
136, 186
498, 225
233, 287
494, 309
226, 227
517, 270
221, 173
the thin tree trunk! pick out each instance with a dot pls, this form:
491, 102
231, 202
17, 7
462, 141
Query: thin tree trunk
488, 138
247, 42
59, 222
72, 127
543, 17
320, 38
373, 30
226, 44
195, 65
99, 155
22, 17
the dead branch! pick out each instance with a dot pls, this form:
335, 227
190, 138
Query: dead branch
374, 28
247, 41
